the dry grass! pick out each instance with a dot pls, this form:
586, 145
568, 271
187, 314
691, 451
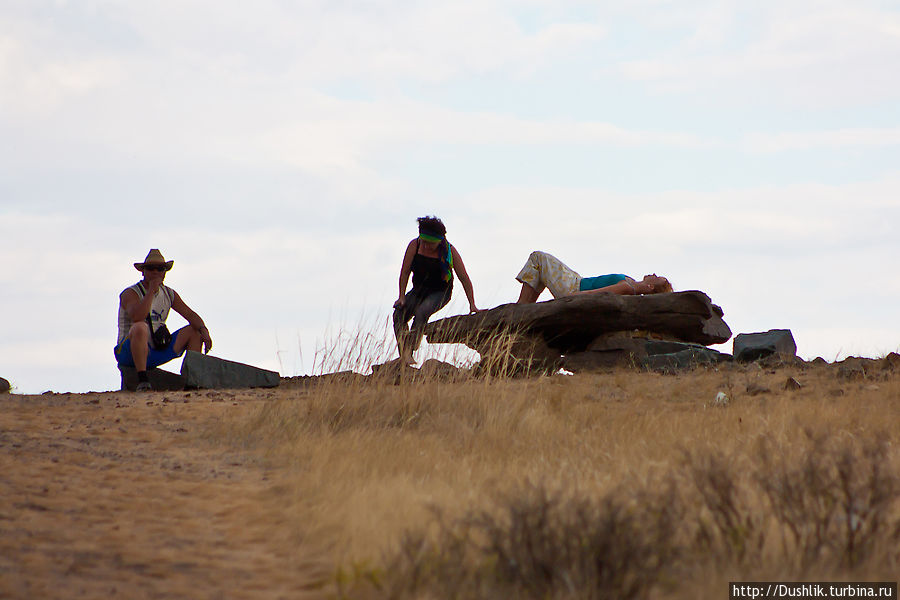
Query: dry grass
626, 484
409, 482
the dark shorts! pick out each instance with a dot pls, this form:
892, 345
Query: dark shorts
154, 357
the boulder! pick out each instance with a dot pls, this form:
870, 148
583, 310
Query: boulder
640, 350
203, 371
671, 362
4, 386
160, 380
753, 346
547, 334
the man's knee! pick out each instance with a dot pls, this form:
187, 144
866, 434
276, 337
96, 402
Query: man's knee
139, 331
186, 336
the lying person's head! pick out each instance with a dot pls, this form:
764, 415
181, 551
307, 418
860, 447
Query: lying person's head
657, 283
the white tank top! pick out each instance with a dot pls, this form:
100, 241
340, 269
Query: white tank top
159, 309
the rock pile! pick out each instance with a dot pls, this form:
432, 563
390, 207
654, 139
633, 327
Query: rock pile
591, 331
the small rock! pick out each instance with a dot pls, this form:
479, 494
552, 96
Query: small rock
721, 399
792, 384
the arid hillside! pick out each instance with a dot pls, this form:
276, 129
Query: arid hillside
621, 484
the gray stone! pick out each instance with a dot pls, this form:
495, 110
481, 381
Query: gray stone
683, 359
160, 380
636, 349
753, 346
4, 386
204, 371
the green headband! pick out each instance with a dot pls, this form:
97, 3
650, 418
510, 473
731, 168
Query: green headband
429, 238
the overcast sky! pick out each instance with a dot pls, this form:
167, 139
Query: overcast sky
280, 152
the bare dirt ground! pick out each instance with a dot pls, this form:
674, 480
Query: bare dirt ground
116, 495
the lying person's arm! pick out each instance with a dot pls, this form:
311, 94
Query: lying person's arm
622, 288
625, 287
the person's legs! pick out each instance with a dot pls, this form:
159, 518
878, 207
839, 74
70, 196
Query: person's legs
139, 334
135, 351
427, 306
187, 338
528, 295
545, 270
402, 315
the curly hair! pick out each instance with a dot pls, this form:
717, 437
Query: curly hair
431, 224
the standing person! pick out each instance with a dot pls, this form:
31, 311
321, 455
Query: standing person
431, 259
144, 341
543, 270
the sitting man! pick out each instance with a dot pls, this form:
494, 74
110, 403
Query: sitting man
144, 341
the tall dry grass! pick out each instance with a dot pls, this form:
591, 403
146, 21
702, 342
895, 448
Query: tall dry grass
625, 484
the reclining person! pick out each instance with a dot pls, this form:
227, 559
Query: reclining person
144, 342
543, 270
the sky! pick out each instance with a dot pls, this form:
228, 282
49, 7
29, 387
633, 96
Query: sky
279, 152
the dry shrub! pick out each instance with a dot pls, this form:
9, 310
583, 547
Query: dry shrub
537, 544
824, 505
834, 500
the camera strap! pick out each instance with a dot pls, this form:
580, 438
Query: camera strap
154, 332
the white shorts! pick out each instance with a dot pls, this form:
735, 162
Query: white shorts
545, 270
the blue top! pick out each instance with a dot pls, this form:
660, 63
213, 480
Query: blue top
601, 281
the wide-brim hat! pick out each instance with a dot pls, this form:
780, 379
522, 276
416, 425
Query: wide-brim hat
154, 257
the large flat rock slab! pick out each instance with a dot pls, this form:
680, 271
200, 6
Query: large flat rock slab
570, 324
203, 371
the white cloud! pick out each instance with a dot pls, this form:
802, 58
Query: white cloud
838, 138
272, 145
819, 53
